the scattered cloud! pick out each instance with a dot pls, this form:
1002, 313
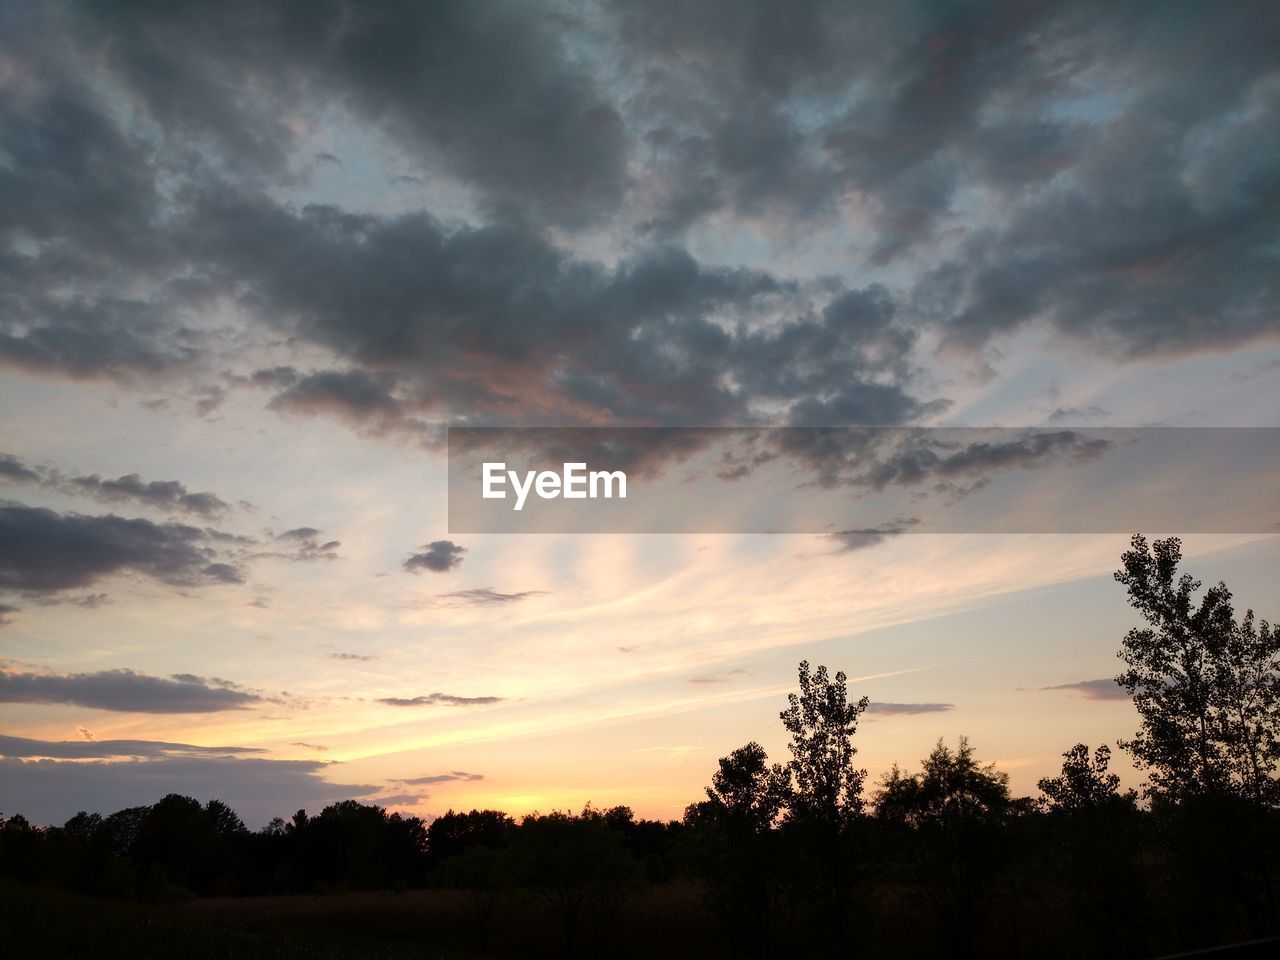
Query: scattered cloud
438, 699
439, 556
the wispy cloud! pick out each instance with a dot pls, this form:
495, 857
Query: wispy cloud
907, 709
485, 597
438, 699
1103, 689
453, 776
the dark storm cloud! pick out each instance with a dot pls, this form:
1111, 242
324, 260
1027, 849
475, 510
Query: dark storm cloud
126, 691
171, 495
454, 776
907, 709
14, 470
495, 322
439, 699
363, 399
51, 791
478, 322
42, 551
1104, 689
1105, 169
522, 119
439, 556
1130, 149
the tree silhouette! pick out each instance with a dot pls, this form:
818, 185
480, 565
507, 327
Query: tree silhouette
1094, 842
1206, 687
826, 786
733, 843
954, 810
577, 865
1084, 784
1207, 690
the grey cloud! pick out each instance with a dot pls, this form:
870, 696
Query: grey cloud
166, 494
171, 495
42, 551
1104, 689
302, 534
1054, 163
451, 777
320, 748
438, 699
486, 596
304, 546
439, 556
917, 463
125, 691
399, 799
15, 471
351, 656
91, 749
545, 334
850, 540
1137, 223
361, 398
523, 121
907, 709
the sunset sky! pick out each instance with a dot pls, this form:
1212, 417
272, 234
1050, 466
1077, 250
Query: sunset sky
255, 259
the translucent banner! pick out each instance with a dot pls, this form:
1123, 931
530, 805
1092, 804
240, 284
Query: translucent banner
864, 481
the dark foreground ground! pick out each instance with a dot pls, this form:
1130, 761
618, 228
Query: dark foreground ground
666, 921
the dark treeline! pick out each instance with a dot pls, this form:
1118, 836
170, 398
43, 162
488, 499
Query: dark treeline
806, 858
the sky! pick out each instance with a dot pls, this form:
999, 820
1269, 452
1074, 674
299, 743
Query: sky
255, 260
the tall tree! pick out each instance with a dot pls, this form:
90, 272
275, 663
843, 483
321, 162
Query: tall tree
826, 787
1206, 686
